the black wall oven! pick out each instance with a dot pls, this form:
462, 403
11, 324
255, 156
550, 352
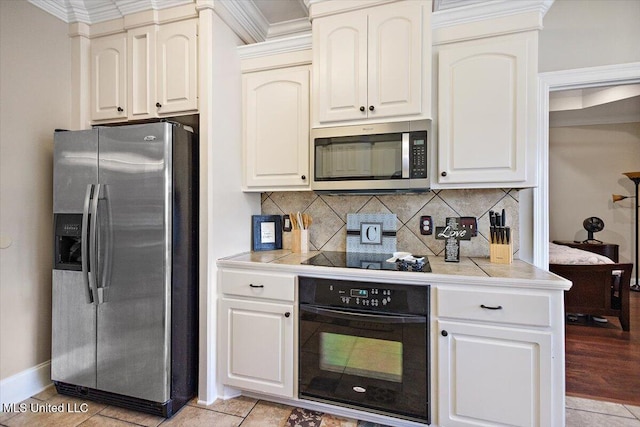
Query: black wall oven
364, 345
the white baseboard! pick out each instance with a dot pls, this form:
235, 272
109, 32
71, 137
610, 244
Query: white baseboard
23, 385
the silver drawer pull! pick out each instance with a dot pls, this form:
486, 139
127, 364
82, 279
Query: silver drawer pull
491, 308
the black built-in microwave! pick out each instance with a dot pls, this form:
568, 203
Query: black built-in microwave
377, 157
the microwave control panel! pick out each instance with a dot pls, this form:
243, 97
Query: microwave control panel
418, 155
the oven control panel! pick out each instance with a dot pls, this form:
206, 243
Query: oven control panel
365, 297
382, 297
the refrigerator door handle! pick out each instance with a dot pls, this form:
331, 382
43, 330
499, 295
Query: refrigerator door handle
84, 244
106, 243
93, 245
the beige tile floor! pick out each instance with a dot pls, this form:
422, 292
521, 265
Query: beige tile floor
246, 412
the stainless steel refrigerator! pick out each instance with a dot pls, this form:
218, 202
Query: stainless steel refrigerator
124, 302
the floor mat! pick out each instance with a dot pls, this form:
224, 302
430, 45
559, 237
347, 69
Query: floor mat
304, 418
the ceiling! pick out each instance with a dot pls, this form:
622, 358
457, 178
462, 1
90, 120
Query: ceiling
595, 106
276, 11
266, 18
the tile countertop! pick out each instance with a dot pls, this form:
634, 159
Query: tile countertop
477, 271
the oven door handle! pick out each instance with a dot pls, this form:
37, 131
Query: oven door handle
350, 315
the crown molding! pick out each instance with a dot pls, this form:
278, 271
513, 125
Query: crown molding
93, 12
244, 18
320, 8
450, 4
277, 46
476, 11
294, 27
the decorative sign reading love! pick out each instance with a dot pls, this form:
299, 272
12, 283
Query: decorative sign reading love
452, 233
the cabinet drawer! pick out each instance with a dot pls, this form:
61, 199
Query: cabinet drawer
258, 285
500, 307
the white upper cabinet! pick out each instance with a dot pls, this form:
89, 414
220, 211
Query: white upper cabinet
276, 129
177, 67
340, 58
394, 61
109, 77
372, 64
487, 91
141, 72
147, 72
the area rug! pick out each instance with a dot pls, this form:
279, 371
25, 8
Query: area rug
305, 418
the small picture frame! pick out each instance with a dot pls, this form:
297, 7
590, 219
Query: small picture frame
371, 233
266, 232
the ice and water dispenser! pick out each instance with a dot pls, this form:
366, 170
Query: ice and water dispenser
68, 242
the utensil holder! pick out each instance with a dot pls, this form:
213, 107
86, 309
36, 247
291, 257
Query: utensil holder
300, 241
501, 253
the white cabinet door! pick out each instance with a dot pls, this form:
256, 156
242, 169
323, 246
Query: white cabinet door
487, 111
394, 60
256, 343
340, 67
177, 67
369, 64
109, 77
142, 72
490, 375
276, 128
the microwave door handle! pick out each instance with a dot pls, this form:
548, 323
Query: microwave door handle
405, 155
353, 315
84, 245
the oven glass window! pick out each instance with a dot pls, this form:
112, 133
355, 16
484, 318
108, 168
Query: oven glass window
364, 357
366, 157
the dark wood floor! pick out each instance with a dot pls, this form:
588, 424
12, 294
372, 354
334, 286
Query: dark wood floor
603, 361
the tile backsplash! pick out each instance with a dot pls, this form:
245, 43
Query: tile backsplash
329, 231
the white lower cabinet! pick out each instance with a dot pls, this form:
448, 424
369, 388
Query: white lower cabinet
491, 375
498, 352
256, 332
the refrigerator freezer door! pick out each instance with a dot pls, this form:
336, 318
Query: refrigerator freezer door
75, 157
73, 343
133, 327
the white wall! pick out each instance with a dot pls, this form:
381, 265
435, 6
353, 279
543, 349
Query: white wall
585, 168
226, 228
34, 86
583, 34
588, 33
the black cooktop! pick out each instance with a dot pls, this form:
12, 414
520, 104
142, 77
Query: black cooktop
365, 261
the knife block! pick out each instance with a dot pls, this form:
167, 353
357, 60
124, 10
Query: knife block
501, 253
300, 241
